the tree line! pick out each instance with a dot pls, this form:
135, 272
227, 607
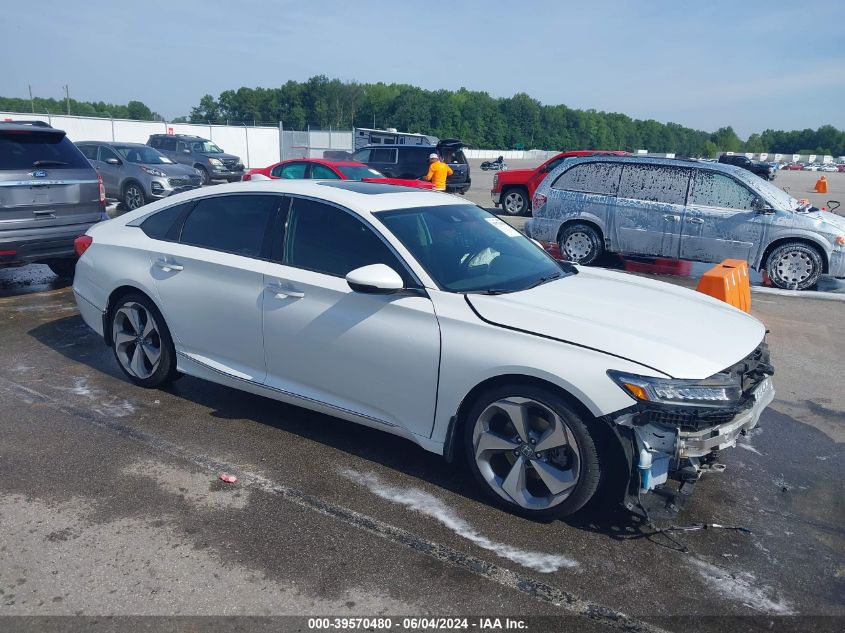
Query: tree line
475, 117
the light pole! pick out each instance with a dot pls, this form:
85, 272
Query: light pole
67, 98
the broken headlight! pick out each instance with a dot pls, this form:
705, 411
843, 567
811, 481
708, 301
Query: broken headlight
720, 390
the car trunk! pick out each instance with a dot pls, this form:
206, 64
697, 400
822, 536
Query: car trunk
451, 150
45, 181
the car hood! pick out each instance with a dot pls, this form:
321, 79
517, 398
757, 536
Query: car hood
679, 332
514, 174
223, 156
827, 221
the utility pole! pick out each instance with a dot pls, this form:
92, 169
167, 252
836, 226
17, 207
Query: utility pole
67, 98
31, 100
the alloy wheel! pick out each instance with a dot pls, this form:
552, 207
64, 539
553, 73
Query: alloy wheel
526, 453
137, 340
514, 203
134, 197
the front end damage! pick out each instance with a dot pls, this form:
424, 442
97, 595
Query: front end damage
672, 446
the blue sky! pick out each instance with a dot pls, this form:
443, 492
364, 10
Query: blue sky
753, 64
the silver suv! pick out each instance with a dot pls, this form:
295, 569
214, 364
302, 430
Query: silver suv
685, 209
136, 174
49, 196
211, 161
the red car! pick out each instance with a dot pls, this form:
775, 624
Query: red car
514, 188
793, 167
321, 169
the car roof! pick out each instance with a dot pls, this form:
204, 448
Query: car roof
362, 197
322, 161
30, 127
113, 144
592, 152
647, 160
398, 145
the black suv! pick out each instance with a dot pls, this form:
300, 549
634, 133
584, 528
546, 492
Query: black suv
764, 170
201, 154
49, 196
411, 161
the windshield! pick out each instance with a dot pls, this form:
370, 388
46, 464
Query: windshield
466, 249
779, 197
359, 172
206, 147
143, 155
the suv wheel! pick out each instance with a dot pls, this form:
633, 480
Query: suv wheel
206, 179
141, 342
133, 196
794, 266
515, 202
63, 268
531, 451
580, 244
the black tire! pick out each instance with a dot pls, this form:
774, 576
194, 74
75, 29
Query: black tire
590, 467
133, 196
515, 202
794, 266
166, 371
205, 178
63, 268
580, 244
485, 166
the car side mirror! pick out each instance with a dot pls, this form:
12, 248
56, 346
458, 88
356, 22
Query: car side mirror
377, 279
760, 206
186, 151
112, 161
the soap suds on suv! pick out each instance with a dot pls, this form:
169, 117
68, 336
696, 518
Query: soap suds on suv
49, 195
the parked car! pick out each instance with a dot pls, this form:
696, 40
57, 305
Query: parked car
840, 166
49, 195
426, 316
811, 166
685, 210
411, 161
828, 168
794, 167
514, 189
211, 161
321, 169
135, 174
764, 170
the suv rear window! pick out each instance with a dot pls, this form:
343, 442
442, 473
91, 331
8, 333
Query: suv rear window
42, 149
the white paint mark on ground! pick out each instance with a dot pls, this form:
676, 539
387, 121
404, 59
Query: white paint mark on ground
740, 587
429, 505
109, 406
80, 387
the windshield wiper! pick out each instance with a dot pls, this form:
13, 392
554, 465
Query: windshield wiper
543, 280
41, 163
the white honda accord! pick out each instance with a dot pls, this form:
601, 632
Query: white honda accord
425, 316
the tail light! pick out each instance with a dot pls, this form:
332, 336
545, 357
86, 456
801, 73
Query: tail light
538, 201
81, 244
246, 176
102, 190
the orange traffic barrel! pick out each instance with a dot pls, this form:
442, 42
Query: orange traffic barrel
728, 282
821, 185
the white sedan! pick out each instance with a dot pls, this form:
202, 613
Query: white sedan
425, 316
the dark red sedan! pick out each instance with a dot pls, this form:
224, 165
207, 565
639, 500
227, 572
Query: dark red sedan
322, 169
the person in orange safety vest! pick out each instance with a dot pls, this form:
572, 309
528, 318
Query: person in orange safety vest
438, 171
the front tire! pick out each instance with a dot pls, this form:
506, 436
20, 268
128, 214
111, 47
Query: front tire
133, 196
581, 244
515, 202
205, 178
142, 343
531, 452
794, 266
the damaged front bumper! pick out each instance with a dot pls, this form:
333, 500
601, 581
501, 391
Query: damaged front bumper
671, 447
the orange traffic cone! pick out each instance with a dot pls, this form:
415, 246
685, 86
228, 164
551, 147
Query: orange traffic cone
821, 185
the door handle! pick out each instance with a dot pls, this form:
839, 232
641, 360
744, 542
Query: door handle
283, 292
695, 220
671, 218
167, 266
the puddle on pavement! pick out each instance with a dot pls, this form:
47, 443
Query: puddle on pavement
29, 280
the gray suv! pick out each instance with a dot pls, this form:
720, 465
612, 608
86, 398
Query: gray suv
211, 161
685, 209
136, 174
49, 196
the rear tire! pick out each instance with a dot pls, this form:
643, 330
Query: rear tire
545, 468
580, 244
141, 342
794, 266
63, 268
515, 202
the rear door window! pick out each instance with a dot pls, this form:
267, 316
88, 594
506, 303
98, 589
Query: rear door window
49, 150
290, 171
601, 178
321, 172
383, 155
88, 151
232, 224
711, 189
654, 183
106, 153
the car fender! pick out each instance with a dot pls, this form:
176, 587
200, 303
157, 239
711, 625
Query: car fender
798, 234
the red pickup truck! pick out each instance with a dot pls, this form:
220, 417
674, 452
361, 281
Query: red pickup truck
514, 188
